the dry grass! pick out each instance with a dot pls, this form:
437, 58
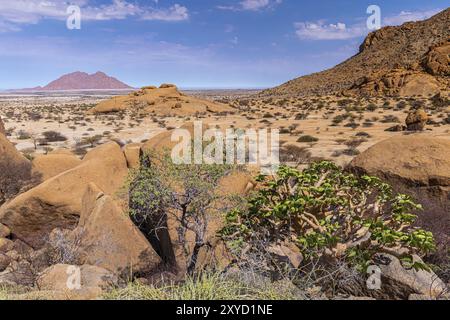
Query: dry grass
208, 287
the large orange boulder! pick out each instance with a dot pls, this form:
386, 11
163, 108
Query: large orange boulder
418, 165
48, 166
108, 238
56, 203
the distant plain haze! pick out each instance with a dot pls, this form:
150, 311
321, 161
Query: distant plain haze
192, 43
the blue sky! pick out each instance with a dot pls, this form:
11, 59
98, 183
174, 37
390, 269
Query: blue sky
192, 43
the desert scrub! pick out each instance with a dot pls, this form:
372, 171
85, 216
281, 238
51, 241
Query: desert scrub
9, 292
307, 139
207, 286
331, 214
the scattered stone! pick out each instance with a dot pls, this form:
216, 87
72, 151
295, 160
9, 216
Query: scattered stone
396, 128
4, 261
86, 281
6, 245
18, 273
395, 278
287, 253
416, 120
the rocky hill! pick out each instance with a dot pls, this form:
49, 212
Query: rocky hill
84, 81
165, 100
405, 60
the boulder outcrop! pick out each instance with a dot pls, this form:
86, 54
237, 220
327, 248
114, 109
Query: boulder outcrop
165, 100
417, 165
437, 61
48, 166
109, 239
56, 203
416, 120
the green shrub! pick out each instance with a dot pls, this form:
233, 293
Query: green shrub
371, 107
53, 136
307, 139
329, 213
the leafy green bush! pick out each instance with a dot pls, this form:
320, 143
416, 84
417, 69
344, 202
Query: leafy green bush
330, 214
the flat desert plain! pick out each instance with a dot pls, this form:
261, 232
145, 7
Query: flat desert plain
326, 127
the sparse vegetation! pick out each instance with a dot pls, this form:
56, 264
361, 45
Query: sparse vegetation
207, 286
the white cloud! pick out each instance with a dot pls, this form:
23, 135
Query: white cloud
252, 5
406, 16
117, 10
32, 11
13, 14
320, 30
174, 13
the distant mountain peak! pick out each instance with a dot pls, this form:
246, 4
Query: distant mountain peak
79, 80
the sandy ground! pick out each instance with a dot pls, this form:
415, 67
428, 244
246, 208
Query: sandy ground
27, 117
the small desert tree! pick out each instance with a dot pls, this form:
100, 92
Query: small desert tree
185, 194
328, 214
